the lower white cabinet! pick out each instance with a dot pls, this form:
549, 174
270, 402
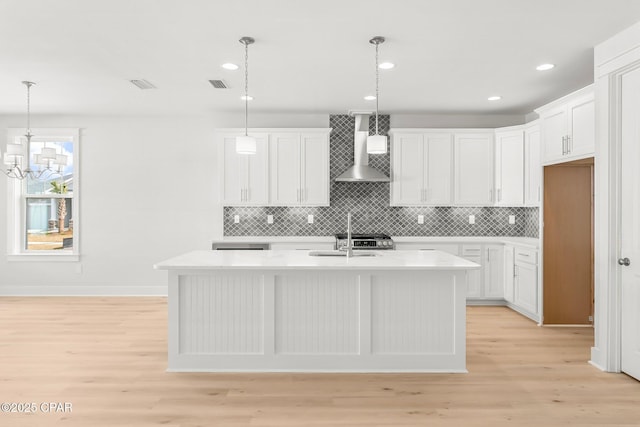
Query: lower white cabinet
526, 279
509, 273
474, 277
494, 271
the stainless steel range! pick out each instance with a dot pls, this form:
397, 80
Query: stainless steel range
365, 241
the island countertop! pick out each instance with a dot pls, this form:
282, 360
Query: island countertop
301, 260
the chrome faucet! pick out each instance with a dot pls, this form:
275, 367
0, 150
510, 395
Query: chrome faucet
349, 247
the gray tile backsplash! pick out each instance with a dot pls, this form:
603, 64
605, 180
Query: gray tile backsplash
369, 204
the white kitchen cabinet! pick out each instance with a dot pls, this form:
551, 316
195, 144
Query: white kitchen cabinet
422, 165
245, 178
526, 281
568, 127
494, 271
532, 165
508, 273
509, 168
473, 169
474, 277
451, 248
299, 168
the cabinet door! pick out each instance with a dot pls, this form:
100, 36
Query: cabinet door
509, 273
509, 168
532, 166
314, 173
438, 173
285, 168
235, 170
494, 271
473, 169
583, 132
408, 170
257, 173
474, 277
554, 130
526, 287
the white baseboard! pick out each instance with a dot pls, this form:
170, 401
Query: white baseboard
499, 302
83, 290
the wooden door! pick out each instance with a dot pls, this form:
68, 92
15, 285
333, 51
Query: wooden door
629, 262
568, 243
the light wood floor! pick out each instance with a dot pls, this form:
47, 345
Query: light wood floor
107, 356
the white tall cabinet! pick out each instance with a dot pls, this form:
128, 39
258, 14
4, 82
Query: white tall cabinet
245, 179
422, 166
299, 168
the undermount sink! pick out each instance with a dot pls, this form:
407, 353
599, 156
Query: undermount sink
339, 253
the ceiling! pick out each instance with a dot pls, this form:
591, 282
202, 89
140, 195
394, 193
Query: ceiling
309, 56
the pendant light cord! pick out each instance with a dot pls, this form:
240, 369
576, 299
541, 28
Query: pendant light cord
246, 89
28, 84
377, 80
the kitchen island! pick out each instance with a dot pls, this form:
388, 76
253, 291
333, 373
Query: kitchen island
279, 311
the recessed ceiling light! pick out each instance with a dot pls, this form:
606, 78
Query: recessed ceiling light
370, 98
230, 66
386, 65
247, 98
494, 98
544, 67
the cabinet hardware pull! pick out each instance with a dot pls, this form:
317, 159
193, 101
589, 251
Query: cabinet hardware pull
564, 138
569, 144
499, 194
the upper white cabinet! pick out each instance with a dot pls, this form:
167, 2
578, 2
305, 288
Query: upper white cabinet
473, 169
299, 168
245, 179
532, 165
568, 127
509, 168
422, 165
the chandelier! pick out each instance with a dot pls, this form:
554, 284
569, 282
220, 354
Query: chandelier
47, 163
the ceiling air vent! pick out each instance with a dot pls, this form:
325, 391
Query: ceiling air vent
143, 84
218, 84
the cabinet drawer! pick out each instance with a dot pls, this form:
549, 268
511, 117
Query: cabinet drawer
527, 256
471, 251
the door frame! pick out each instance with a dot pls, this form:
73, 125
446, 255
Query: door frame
606, 353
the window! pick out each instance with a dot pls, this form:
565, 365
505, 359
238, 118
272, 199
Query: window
43, 213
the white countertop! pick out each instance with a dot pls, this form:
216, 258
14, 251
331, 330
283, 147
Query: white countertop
300, 260
522, 241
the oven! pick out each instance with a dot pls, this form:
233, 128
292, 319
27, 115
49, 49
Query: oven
366, 241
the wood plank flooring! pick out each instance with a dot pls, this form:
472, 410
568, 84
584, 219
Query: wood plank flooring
107, 357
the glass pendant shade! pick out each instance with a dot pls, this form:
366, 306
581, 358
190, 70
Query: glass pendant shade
246, 145
376, 144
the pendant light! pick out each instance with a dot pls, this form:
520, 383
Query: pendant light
48, 162
377, 144
246, 144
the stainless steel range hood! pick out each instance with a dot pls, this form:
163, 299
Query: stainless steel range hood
361, 171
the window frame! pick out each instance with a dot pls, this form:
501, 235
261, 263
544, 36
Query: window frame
17, 200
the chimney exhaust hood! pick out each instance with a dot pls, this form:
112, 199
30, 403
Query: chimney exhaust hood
361, 171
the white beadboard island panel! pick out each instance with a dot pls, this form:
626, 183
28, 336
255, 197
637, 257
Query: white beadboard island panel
285, 311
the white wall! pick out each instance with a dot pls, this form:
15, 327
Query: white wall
149, 192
